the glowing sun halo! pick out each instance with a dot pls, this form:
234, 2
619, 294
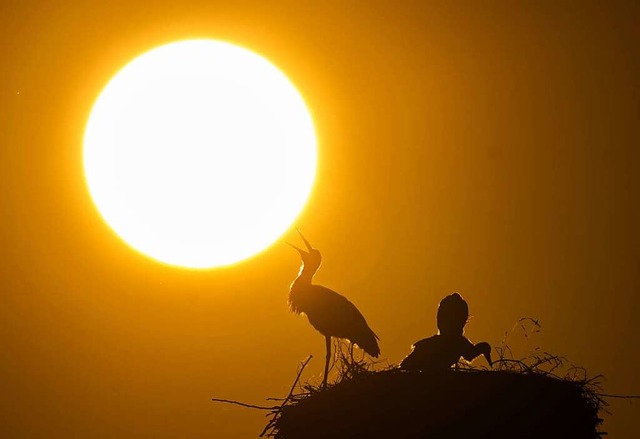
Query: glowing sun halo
199, 153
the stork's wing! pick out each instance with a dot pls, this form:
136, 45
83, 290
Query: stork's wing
333, 314
424, 353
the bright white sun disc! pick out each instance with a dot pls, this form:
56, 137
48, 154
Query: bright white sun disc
199, 153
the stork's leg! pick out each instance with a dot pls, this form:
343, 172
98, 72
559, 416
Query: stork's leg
326, 361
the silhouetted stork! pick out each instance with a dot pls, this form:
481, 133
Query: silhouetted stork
441, 351
329, 312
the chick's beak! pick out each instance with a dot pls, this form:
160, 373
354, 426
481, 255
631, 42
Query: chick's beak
487, 355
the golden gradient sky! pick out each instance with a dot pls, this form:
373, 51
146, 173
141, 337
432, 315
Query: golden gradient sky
491, 150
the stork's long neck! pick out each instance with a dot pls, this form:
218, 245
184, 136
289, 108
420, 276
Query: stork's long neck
305, 277
299, 288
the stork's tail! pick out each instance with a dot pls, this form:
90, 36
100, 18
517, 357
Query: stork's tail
369, 343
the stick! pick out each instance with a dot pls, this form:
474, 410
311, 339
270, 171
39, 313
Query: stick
619, 396
251, 406
304, 364
277, 409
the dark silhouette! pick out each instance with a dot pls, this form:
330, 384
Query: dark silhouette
441, 351
454, 404
518, 398
329, 312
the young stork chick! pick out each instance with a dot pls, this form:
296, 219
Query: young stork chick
441, 351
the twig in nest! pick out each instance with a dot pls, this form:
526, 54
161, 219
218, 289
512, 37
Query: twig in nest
304, 364
277, 410
606, 395
251, 406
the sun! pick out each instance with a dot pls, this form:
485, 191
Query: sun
199, 153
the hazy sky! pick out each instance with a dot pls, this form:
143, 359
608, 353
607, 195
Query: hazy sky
486, 149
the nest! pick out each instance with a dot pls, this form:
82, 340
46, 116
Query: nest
519, 398
457, 403
538, 395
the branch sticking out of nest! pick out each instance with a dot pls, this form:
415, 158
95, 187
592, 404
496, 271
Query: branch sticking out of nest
276, 410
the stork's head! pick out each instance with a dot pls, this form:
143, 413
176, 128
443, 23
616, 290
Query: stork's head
311, 258
485, 349
453, 313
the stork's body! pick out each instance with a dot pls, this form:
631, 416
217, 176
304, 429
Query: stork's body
440, 352
332, 314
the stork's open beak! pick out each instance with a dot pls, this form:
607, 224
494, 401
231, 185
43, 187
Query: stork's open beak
309, 248
302, 252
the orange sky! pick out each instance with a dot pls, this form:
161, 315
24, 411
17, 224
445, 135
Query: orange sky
487, 150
